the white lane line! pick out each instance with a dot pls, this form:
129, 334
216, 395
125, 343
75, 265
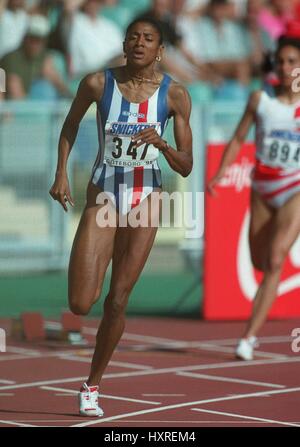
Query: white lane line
136, 337
7, 394
19, 424
17, 350
186, 404
69, 355
41, 355
234, 364
53, 421
130, 365
253, 418
104, 396
111, 363
171, 343
74, 358
108, 396
6, 358
229, 379
63, 394
41, 383
211, 347
152, 339
138, 421
164, 395
134, 421
265, 340
7, 382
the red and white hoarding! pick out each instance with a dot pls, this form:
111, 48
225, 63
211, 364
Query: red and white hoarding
230, 281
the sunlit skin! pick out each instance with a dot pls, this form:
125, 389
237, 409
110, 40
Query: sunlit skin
128, 248
272, 231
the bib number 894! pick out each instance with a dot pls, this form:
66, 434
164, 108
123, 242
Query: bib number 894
283, 153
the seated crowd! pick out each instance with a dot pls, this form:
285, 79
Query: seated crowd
217, 48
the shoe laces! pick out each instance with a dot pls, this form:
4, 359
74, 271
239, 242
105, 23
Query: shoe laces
92, 396
253, 341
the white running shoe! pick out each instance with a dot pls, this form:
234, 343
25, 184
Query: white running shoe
245, 347
88, 401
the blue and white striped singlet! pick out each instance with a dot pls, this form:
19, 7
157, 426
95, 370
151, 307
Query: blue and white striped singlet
118, 162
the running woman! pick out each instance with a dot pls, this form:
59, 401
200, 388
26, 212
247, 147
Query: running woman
275, 194
134, 103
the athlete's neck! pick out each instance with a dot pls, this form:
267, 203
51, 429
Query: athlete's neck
146, 74
288, 94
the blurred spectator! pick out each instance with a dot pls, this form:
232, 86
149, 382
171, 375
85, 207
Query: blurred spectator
53, 10
46, 7
274, 18
258, 41
194, 8
160, 11
13, 24
29, 69
93, 40
219, 42
238, 9
175, 50
297, 10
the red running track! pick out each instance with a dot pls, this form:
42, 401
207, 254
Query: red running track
165, 373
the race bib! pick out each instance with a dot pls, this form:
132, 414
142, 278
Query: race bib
282, 148
120, 150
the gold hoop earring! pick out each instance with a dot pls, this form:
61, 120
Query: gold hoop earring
158, 58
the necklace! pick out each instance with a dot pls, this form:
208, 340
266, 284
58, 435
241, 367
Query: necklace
141, 79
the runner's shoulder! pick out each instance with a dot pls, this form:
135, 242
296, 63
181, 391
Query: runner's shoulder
178, 96
92, 85
254, 99
177, 91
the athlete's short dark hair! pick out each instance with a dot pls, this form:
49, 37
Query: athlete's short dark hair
287, 41
152, 22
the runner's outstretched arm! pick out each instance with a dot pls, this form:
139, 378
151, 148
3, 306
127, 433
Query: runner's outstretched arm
89, 91
236, 141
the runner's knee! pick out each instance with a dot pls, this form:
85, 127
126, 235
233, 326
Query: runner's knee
116, 302
80, 308
276, 258
81, 303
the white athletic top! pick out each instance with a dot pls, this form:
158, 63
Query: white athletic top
278, 133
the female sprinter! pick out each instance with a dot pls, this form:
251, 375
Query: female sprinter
134, 103
275, 195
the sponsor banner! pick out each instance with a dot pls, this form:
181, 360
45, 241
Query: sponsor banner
230, 281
